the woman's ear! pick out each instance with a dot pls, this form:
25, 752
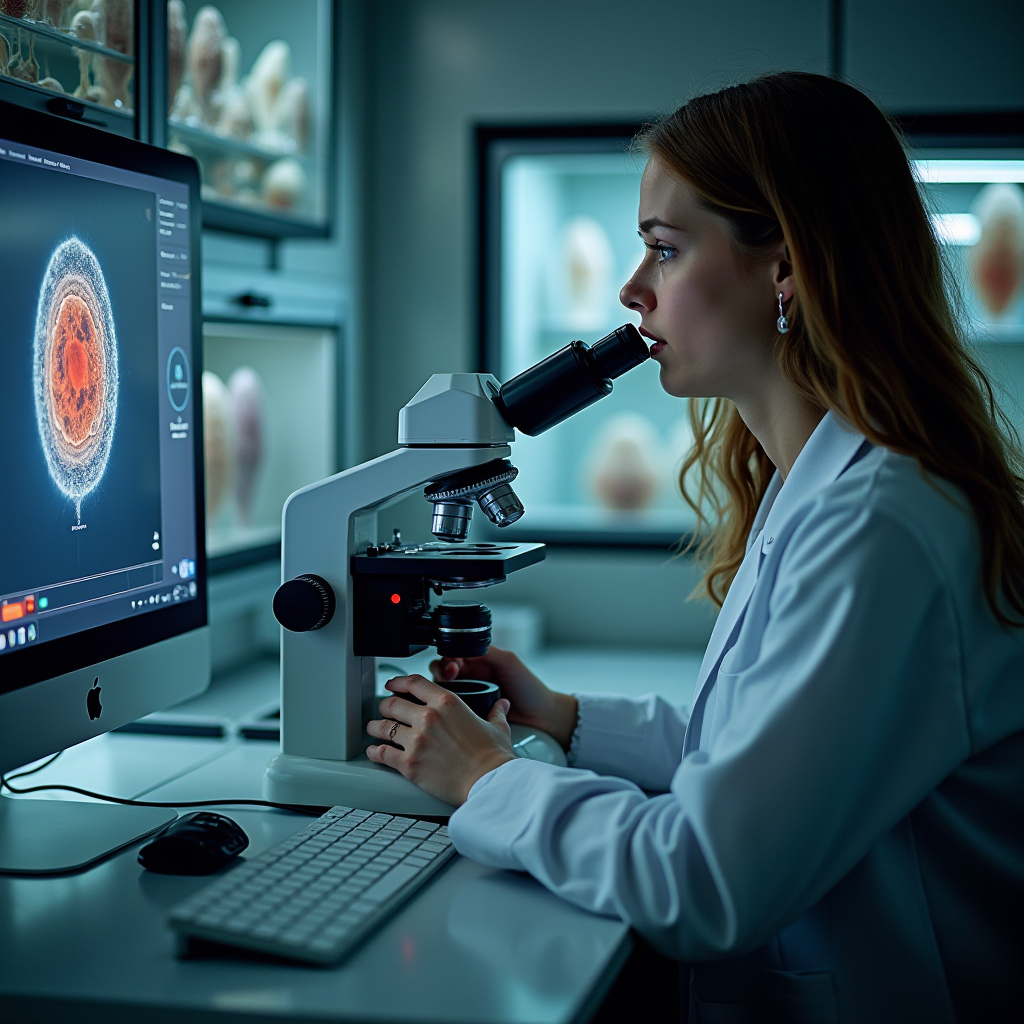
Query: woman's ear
782, 273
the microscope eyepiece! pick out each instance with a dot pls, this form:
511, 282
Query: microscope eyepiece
569, 380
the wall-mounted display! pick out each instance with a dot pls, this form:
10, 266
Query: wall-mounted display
81, 51
249, 97
557, 240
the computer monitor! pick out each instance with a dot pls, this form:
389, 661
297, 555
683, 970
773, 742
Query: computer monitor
103, 612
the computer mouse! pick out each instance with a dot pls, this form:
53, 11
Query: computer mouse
195, 844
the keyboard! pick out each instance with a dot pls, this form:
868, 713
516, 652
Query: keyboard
317, 895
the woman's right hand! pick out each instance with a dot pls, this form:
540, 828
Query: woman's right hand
533, 704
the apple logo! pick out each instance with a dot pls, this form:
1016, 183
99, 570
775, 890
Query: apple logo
92, 700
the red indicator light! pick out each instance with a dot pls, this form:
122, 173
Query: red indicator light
396, 598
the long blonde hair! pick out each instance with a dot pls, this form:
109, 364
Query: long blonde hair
874, 330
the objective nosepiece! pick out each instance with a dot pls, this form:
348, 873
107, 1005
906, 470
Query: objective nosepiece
569, 380
488, 485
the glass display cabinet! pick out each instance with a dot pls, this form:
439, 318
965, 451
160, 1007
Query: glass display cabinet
274, 397
971, 169
557, 240
249, 96
72, 57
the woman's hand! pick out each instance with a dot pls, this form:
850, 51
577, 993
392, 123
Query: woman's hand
441, 745
533, 704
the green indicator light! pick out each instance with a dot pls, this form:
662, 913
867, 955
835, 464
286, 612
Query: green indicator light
43, 602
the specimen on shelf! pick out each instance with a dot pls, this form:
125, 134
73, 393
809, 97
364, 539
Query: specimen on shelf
626, 462
588, 270
5, 55
264, 82
177, 41
84, 26
291, 116
115, 28
51, 12
248, 396
234, 119
205, 59
997, 261
284, 184
218, 442
22, 68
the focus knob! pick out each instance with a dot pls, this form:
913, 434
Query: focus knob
304, 603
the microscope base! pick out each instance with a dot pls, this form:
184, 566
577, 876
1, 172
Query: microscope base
293, 779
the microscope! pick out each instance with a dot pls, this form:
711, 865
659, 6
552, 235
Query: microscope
347, 599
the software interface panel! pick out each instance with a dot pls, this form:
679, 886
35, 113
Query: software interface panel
97, 392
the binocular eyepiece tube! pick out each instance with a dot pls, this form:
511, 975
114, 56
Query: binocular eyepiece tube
569, 380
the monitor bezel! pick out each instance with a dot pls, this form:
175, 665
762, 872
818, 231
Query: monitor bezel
31, 665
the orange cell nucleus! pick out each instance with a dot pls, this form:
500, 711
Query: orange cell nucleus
76, 370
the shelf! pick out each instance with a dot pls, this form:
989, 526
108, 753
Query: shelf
124, 114
64, 38
203, 139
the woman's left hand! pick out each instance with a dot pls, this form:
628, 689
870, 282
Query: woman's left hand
441, 745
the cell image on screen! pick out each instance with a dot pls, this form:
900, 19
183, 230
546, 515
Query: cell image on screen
75, 370
78, 336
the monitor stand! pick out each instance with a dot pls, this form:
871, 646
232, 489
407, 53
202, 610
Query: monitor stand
50, 837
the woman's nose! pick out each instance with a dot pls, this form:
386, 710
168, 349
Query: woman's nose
634, 296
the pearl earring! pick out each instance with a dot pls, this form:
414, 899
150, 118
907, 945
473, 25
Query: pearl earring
782, 323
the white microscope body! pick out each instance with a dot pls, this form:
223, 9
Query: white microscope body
327, 690
346, 598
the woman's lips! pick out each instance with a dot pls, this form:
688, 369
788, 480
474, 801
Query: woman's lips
656, 343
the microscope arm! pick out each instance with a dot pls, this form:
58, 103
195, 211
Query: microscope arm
325, 689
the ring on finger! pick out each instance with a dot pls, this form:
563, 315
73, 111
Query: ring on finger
393, 730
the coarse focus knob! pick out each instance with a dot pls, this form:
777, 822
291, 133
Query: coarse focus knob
304, 603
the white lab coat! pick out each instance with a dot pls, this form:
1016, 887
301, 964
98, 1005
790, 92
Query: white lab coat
833, 832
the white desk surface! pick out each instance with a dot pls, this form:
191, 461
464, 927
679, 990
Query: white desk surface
475, 945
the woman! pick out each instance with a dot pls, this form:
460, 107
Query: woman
833, 829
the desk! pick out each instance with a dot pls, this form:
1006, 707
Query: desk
474, 945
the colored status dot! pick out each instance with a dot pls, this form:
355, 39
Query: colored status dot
44, 602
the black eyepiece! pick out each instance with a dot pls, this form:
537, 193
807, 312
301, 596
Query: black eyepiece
620, 351
569, 380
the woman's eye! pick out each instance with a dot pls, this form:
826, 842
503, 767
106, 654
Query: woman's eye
665, 253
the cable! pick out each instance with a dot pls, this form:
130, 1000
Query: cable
32, 771
5, 783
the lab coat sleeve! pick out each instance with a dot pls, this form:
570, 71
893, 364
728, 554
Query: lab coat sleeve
640, 739
851, 713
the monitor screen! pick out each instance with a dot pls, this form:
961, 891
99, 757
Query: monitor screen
101, 520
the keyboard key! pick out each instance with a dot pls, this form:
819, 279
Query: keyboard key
390, 883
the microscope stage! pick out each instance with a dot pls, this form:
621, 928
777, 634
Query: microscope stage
437, 560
